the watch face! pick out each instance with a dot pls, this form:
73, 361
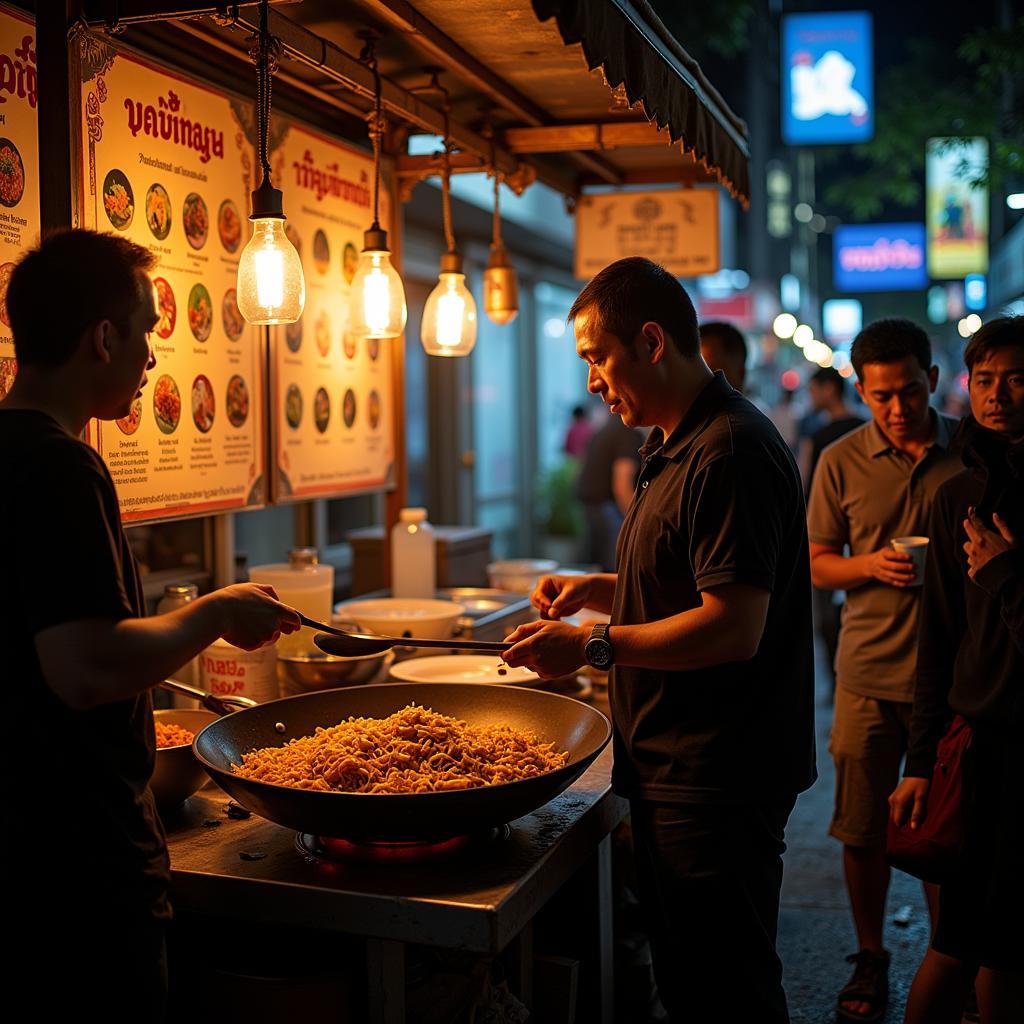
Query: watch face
599, 653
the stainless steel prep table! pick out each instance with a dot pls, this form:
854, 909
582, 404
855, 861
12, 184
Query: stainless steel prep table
477, 903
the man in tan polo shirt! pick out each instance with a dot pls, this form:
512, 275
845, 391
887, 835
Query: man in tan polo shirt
872, 485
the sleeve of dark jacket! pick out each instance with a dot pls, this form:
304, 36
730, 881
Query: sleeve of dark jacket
1003, 580
940, 629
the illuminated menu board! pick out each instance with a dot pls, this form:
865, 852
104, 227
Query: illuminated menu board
19, 164
331, 398
167, 162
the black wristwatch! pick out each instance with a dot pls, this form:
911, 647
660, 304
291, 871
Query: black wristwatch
599, 648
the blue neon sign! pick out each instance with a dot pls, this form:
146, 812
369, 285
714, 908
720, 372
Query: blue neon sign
827, 78
879, 258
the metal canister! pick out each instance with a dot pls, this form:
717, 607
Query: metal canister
177, 595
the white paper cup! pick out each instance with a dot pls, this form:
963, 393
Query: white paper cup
917, 548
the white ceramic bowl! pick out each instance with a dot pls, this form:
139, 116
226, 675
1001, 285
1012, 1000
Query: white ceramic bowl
401, 616
519, 574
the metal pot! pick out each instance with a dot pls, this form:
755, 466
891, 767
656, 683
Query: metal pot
314, 670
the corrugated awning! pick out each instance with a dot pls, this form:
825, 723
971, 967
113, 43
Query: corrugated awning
637, 52
575, 92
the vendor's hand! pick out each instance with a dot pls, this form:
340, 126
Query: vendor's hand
252, 616
551, 649
558, 596
907, 800
892, 567
984, 544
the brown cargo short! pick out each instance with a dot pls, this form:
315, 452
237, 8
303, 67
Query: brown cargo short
869, 739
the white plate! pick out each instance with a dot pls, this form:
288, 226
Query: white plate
461, 668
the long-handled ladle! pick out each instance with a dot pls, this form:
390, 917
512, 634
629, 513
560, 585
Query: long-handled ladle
346, 644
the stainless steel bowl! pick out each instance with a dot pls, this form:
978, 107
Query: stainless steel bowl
314, 670
177, 774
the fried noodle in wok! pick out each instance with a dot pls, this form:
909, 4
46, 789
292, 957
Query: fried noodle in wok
414, 750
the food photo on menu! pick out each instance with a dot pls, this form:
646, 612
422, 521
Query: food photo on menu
293, 406
12, 174
195, 218
118, 199
158, 211
203, 406
166, 307
229, 226
200, 312
237, 402
234, 322
321, 410
166, 404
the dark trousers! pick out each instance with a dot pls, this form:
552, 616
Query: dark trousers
709, 878
112, 970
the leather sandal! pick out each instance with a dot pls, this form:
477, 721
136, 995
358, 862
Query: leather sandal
868, 984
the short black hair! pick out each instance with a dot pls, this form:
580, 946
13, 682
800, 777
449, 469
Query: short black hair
732, 340
1002, 332
70, 282
830, 375
630, 292
889, 341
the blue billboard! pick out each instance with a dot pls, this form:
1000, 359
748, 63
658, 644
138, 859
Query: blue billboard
879, 258
827, 78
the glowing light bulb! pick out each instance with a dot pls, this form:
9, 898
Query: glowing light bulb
802, 335
377, 307
449, 318
271, 288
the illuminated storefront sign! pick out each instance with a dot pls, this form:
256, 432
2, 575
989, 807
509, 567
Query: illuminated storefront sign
956, 211
879, 258
827, 78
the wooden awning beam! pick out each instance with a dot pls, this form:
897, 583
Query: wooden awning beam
563, 138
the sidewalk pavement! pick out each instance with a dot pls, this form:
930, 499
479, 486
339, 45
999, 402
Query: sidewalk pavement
815, 927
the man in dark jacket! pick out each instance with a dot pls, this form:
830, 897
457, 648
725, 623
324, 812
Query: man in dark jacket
971, 662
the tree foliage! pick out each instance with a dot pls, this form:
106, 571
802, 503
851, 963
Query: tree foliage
974, 92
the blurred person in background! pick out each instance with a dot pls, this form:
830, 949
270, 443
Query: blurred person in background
784, 415
875, 483
827, 391
605, 487
970, 662
577, 437
724, 348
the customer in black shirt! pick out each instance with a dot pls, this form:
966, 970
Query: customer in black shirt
710, 638
87, 862
971, 662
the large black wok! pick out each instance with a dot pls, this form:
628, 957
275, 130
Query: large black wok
570, 725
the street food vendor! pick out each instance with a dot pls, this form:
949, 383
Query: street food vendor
709, 645
87, 905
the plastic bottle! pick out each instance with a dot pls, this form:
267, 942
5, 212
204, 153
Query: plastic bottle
413, 557
177, 595
302, 583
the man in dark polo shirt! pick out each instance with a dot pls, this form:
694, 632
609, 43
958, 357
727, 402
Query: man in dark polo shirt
87, 907
709, 643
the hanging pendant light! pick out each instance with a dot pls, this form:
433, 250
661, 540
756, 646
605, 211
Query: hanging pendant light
448, 327
271, 288
501, 286
377, 300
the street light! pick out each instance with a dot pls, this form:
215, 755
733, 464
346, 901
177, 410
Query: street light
784, 326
